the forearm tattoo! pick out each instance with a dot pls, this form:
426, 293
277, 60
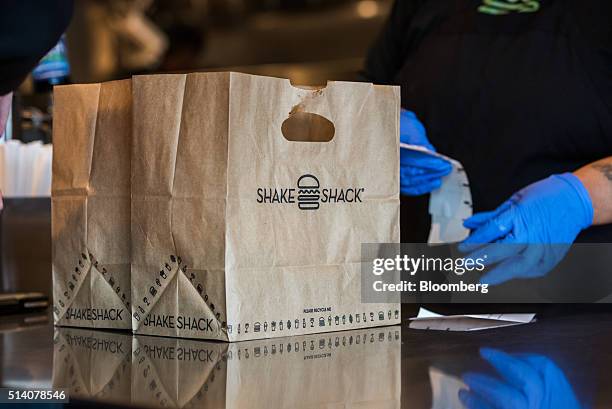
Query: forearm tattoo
605, 169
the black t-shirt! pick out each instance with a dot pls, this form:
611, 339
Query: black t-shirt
515, 96
28, 30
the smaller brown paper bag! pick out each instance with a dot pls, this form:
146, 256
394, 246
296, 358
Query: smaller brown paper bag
91, 205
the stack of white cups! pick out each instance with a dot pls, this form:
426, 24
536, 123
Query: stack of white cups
25, 169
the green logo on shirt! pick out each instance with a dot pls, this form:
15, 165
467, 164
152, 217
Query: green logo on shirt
501, 7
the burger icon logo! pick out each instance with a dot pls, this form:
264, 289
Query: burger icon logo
309, 192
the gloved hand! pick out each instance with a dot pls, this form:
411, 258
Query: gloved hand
528, 381
420, 173
532, 231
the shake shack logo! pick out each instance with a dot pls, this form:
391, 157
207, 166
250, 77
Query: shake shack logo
308, 194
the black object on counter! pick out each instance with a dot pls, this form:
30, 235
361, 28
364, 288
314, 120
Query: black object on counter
20, 303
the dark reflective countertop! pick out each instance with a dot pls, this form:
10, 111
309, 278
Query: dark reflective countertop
563, 360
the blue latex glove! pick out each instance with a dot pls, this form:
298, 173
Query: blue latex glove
528, 381
420, 173
531, 232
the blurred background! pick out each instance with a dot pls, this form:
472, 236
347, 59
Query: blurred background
307, 41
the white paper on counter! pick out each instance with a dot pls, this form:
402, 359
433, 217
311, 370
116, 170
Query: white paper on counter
450, 205
470, 322
445, 390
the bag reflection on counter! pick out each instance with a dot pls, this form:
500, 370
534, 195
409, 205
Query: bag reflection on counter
311, 371
360, 367
93, 364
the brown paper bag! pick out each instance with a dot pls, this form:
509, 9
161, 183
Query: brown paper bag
95, 365
91, 205
350, 369
239, 233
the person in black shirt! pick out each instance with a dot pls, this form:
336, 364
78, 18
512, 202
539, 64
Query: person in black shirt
28, 30
516, 91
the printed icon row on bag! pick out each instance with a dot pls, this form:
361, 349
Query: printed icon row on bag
313, 322
80, 271
323, 343
163, 277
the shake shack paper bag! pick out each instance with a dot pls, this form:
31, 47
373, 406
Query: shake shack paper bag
93, 365
348, 369
251, 199
91, 205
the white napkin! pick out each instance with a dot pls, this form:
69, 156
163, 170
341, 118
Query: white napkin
471, 322
449, 205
